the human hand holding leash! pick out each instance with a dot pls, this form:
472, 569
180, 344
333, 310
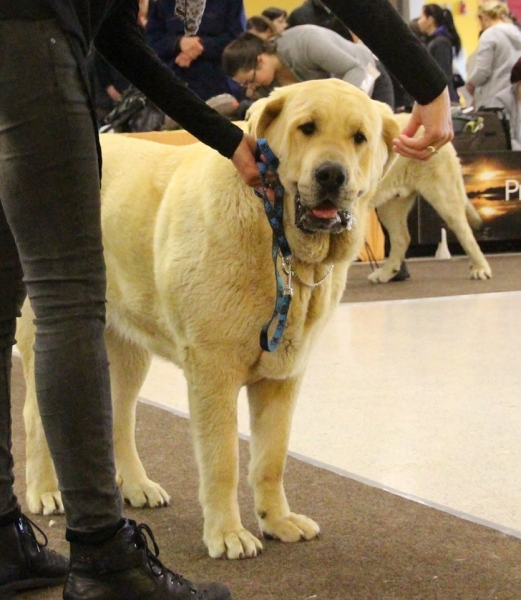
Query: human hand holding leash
245, 161
437, 123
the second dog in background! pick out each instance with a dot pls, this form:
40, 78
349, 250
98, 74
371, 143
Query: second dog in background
440, 182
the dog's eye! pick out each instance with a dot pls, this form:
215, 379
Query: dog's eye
308, 128
359, 138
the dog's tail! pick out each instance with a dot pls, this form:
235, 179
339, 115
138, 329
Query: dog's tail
473, 217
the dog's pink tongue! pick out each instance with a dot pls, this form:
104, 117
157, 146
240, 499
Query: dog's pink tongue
325, 211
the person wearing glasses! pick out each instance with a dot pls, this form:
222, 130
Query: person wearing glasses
300, 53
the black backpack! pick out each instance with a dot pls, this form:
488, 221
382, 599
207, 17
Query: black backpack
134, 113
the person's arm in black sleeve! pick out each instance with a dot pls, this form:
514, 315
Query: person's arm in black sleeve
379, 25
382, 29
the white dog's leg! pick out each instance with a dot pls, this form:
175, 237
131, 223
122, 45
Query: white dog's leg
393, 216
213, 392
129, 365
42, 495
456, 219
448, 197
271, 411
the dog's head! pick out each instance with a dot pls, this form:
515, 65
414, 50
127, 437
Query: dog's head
334, 145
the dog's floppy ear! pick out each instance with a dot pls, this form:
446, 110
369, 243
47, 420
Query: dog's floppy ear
253, 115
385, 155
264, 111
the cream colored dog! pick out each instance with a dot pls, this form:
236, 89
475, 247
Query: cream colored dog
440, 182
191, 279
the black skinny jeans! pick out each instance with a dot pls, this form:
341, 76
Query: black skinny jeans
50, 230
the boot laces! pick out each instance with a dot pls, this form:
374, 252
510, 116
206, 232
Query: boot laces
144, 533
30, 526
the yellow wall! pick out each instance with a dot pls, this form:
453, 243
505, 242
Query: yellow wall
255, 7
467, 25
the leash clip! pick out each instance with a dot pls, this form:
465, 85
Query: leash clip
288, 288
286, 267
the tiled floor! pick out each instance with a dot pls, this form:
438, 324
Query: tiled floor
420, 397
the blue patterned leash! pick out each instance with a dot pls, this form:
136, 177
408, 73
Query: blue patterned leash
275, 214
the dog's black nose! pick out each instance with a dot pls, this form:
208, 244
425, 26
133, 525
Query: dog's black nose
330, 176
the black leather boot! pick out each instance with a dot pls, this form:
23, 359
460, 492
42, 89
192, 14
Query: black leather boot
125, 567
24, 562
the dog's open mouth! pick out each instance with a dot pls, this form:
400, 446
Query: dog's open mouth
324, 217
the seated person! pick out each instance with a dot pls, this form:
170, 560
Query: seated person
509, 99
300, 53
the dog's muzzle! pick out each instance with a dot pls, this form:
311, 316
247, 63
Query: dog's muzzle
325, 217
330, 177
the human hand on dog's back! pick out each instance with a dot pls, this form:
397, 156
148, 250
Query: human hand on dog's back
437, 129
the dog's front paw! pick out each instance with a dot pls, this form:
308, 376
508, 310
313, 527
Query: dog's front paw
41, 502
232, 544
290, 528
143, 493
481, 272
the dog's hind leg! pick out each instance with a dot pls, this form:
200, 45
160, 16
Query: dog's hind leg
271, 409
393, 216
456, 215
42, 495
129, 365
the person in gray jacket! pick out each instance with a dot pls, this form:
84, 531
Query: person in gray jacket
301, 53
509, 100
498, 49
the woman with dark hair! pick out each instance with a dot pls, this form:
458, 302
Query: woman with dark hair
443, 41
